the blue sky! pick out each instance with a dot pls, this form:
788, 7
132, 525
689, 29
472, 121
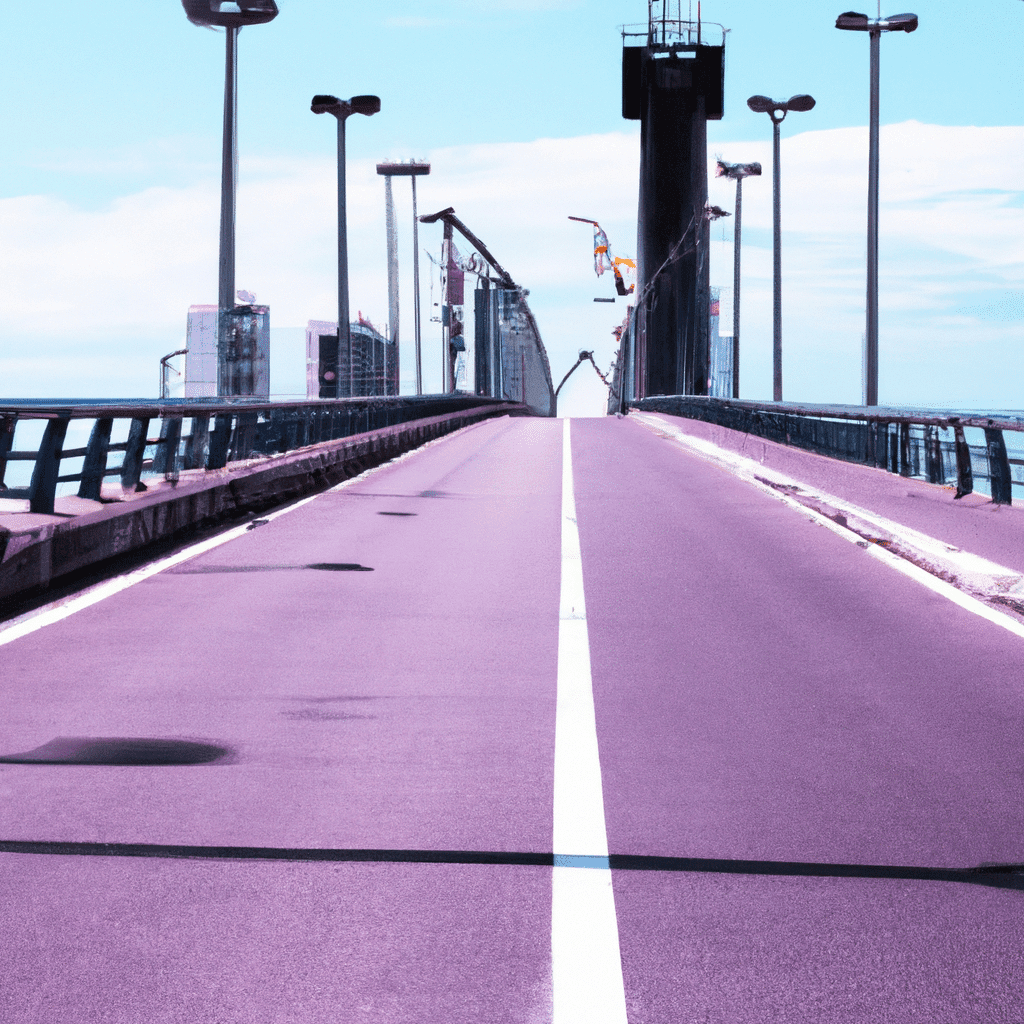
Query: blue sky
112, 129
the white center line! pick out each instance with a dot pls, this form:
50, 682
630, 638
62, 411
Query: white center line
587, 986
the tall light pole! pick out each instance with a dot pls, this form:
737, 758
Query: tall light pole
737, 172
853, 22
777, 110
341, 109
231, 17
413, 170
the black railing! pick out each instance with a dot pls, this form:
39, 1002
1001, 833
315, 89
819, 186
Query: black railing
196, 434
926, 443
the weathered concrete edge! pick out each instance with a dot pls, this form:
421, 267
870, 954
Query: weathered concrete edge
30, 559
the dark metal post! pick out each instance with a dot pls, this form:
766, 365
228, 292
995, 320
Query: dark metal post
933, 456
165, 459
871, 333
198, 442
853, 22
47, 468
416, 290
905, 469
220, 441
393, 306
135, 449
777, 110
998, 467
6, 444
964, 472
446, 310
344, 333
228, 183
94, 466
777, 266
736, 290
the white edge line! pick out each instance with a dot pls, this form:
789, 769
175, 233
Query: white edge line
914, 572
65, 607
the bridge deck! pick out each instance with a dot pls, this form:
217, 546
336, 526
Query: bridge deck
375, 842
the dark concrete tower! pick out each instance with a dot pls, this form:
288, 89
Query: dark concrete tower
672, 83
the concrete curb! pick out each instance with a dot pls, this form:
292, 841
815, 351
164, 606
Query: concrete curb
31, 558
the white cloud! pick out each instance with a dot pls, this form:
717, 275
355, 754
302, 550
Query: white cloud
99, 295
951, 228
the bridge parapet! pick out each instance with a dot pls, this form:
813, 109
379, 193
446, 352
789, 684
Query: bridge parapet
36, 549
931, 444
196, 434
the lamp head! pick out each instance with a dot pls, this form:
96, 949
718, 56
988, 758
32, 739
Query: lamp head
901, 23
229, 13
801, 103
324, 104
411, 169
367, 105
851, 21
736, 171
777, 109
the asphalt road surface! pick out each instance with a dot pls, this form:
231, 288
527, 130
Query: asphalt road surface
350, 805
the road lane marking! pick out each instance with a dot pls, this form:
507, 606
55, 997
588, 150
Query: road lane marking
63, 608
586, 964
750, 471
67, 606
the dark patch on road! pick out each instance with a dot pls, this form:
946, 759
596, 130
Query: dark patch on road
202, 570
333, 700
998, 876
340, 567
397, 513
120, 751
315, 715
257, 522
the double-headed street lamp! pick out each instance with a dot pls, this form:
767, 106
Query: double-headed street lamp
777, 110
853, 22
341, 109
230, 16
737, 172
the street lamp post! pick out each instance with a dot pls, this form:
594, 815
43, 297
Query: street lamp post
413, 170
737, 172
777, 110
341, 109
231, 17
853, 22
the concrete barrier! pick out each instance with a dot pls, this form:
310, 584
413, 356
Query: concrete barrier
31, 558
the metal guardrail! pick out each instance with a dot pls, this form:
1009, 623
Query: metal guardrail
926, 443
203, 434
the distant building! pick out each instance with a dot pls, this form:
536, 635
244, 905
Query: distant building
201, 352
246, 367
719, 349
374, 361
